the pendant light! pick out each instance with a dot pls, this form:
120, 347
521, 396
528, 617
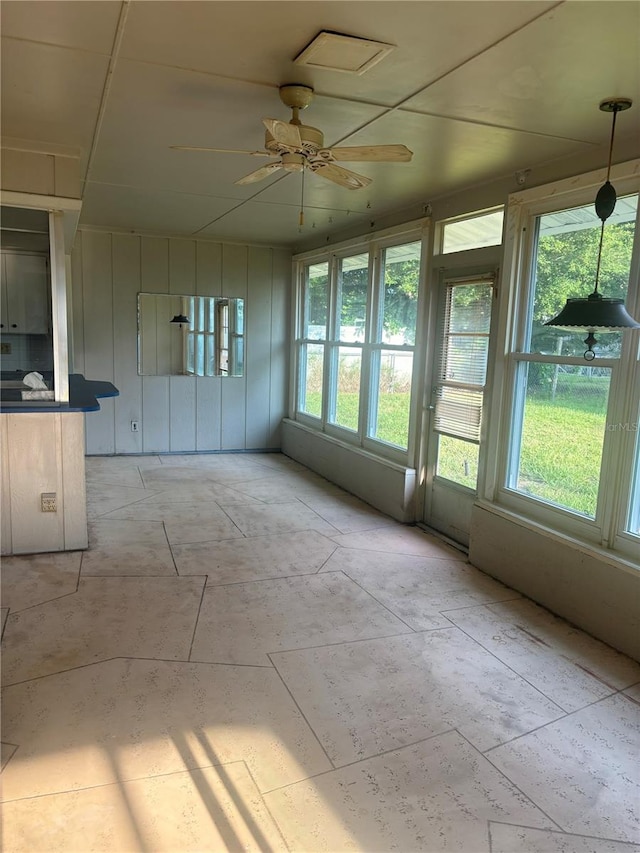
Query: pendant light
596, 311
179, 319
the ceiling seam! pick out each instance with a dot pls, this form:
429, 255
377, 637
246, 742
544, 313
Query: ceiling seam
464, 62
115, 51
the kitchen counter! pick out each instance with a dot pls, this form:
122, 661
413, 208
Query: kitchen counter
83, 396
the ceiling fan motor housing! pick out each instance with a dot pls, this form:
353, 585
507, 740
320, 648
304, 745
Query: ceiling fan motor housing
312, 140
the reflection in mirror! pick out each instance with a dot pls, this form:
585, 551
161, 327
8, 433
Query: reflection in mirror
209, 343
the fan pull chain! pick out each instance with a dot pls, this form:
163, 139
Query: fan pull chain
301, 220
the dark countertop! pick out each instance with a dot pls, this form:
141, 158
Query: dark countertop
83, 394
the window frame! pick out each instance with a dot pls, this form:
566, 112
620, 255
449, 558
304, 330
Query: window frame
374, 245
607, 529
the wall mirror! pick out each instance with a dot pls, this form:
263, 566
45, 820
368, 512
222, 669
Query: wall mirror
190, 335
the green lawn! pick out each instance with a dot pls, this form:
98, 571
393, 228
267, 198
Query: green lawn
561, 446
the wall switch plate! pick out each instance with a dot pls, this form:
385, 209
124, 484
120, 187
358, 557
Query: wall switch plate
48, 502
135, 426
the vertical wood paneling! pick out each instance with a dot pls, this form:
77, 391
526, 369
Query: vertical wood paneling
98, 333
77, 305
155, 408
233, 402
126, 278
35, 438
258, 337
5, 493
179, 413
155, 265
182, 389
154, 278
208, 388
280, 344
73, 481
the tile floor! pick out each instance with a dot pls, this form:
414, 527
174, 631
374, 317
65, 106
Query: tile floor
248, 658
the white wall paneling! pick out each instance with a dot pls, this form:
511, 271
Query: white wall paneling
179, 413
233, 391
280, 325
385, 485
597, 593
258, 381
42, 452
208, 389
126, 276
97, 318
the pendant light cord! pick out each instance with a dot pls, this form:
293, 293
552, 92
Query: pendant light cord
595, 289
616, 110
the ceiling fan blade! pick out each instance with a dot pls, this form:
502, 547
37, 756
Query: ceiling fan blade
259, 174
283, 132
340, 175
370, 153
222, 150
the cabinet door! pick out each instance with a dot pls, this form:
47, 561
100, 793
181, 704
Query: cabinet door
27, 294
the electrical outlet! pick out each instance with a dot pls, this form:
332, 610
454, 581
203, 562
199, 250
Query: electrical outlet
5, 349
135, 426
48, 502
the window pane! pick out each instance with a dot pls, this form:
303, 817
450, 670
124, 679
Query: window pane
353, 280
316, 302
469, 308
312, 370
347, 397
565, 266
473, 233
458, 461
634, 515
401, 275
563, 425
390, 422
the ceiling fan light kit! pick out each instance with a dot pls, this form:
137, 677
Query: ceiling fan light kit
298, 146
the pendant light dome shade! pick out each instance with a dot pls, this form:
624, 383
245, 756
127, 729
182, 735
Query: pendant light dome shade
596, 312
180, 319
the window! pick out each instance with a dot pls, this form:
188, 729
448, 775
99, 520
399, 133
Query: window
571, 422
471, 232
461, 377
315, 308
356, 341
394, 344
352, 287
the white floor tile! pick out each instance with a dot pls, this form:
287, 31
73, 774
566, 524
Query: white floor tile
367, 697
435, 796
35, 578
563, 662
524, 839
216, 808
128, 719
103, 498
237, 560
417, 588
128, 560
106, 618
583, 770
242, 623
275, 518
346, 513
400, 539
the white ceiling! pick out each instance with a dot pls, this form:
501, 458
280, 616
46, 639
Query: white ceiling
477, 90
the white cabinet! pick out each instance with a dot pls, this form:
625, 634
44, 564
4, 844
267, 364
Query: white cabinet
25, 294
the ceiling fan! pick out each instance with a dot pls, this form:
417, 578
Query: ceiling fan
298, 146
